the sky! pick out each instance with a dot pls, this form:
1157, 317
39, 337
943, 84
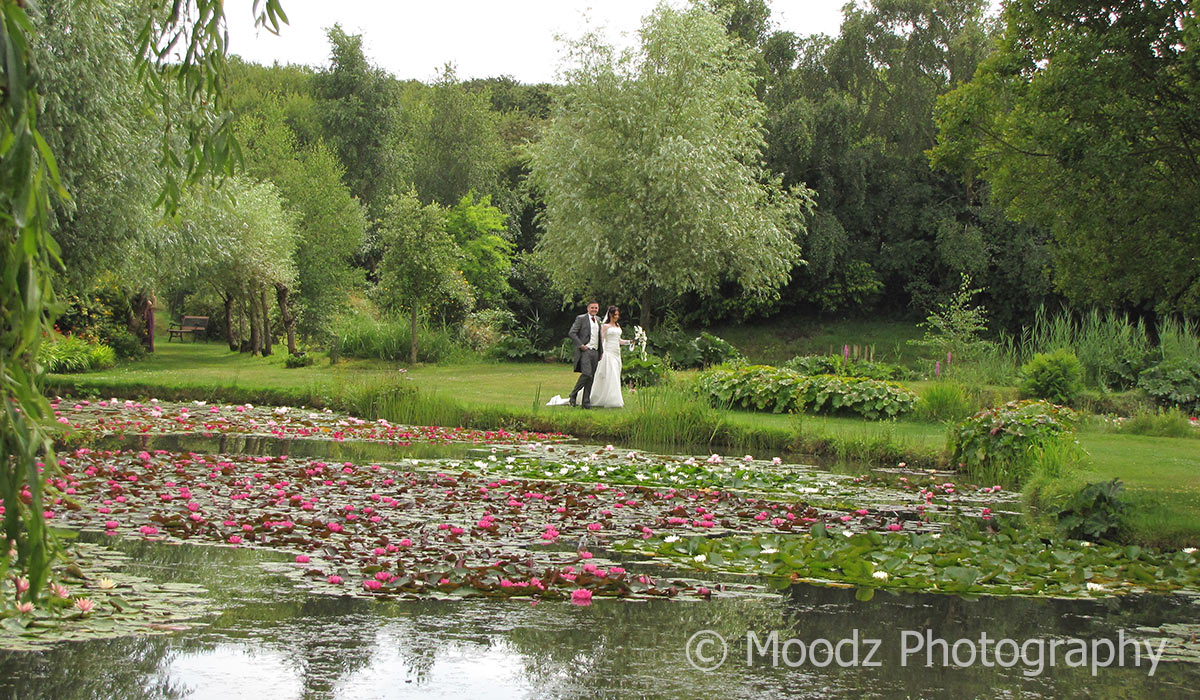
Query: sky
482, 38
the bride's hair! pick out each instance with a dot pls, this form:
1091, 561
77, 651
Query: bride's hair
608, 315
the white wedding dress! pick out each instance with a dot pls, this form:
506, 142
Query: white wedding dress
606, 387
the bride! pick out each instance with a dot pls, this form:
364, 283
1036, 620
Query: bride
606, 389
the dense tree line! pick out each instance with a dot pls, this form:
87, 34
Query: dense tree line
851, 174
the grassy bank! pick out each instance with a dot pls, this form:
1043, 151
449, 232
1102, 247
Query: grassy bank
1162, 474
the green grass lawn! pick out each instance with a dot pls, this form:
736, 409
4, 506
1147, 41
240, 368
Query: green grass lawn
1162, 475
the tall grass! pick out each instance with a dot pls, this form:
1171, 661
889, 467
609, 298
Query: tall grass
671, 415
389, 338
1179, 339
945, 401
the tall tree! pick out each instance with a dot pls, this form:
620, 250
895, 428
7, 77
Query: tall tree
656, 152
95, 119
359, 107
1086, 120
420, 262
330, 223
456, 142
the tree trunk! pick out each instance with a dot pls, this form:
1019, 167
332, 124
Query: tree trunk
150, 321
266, 320
413, 325
234, 345
285, 314
255, 329
647, 318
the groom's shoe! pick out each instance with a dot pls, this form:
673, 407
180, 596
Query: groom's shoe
572, 401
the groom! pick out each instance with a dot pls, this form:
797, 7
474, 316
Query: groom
585, 333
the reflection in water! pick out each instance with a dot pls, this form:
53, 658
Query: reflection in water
272, 640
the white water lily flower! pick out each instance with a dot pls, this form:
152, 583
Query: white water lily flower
847, 533
881, 575
1095, 586
700, 558
640, 477
510, 459
313, 416
769, 550
1189, 550
196, 403
670, 539
936, 535
479, 463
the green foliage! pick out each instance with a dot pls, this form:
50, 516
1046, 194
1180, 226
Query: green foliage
1055, 377
1095, 513
714, 350
456, 141
682, 351
69, 353
1083, 122
420, 263
298, 360
760, 387
1169, 422
1112, 349
640, 373
516, 348
945, 401
953, 329
330, 223
1174, 382
655, 151
359, 111
999, 444
359, 335
478, 229
482, 329
844, 366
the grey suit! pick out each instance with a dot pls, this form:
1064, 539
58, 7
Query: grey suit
585, 360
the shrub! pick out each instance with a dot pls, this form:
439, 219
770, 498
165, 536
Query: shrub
945, 401
1055, 377
782, 390
843, 366
298, 360
714, 350
1174, 382
1000, 444
515, 349
638, 372
483, 329
69, 353
676, 347
1095, 512
124, 343
682, 351
101, 357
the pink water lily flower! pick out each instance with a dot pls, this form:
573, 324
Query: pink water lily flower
581, 596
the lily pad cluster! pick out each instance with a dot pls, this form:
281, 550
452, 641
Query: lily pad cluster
102, 603
116, 417
965, 561
376, 530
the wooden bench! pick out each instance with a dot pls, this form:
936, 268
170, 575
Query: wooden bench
191, 325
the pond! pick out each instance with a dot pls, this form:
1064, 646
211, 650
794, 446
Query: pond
265, 626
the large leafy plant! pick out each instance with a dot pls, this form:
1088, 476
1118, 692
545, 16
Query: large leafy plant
765, 388
1001, 443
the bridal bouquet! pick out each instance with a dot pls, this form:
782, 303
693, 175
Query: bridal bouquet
639, 339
